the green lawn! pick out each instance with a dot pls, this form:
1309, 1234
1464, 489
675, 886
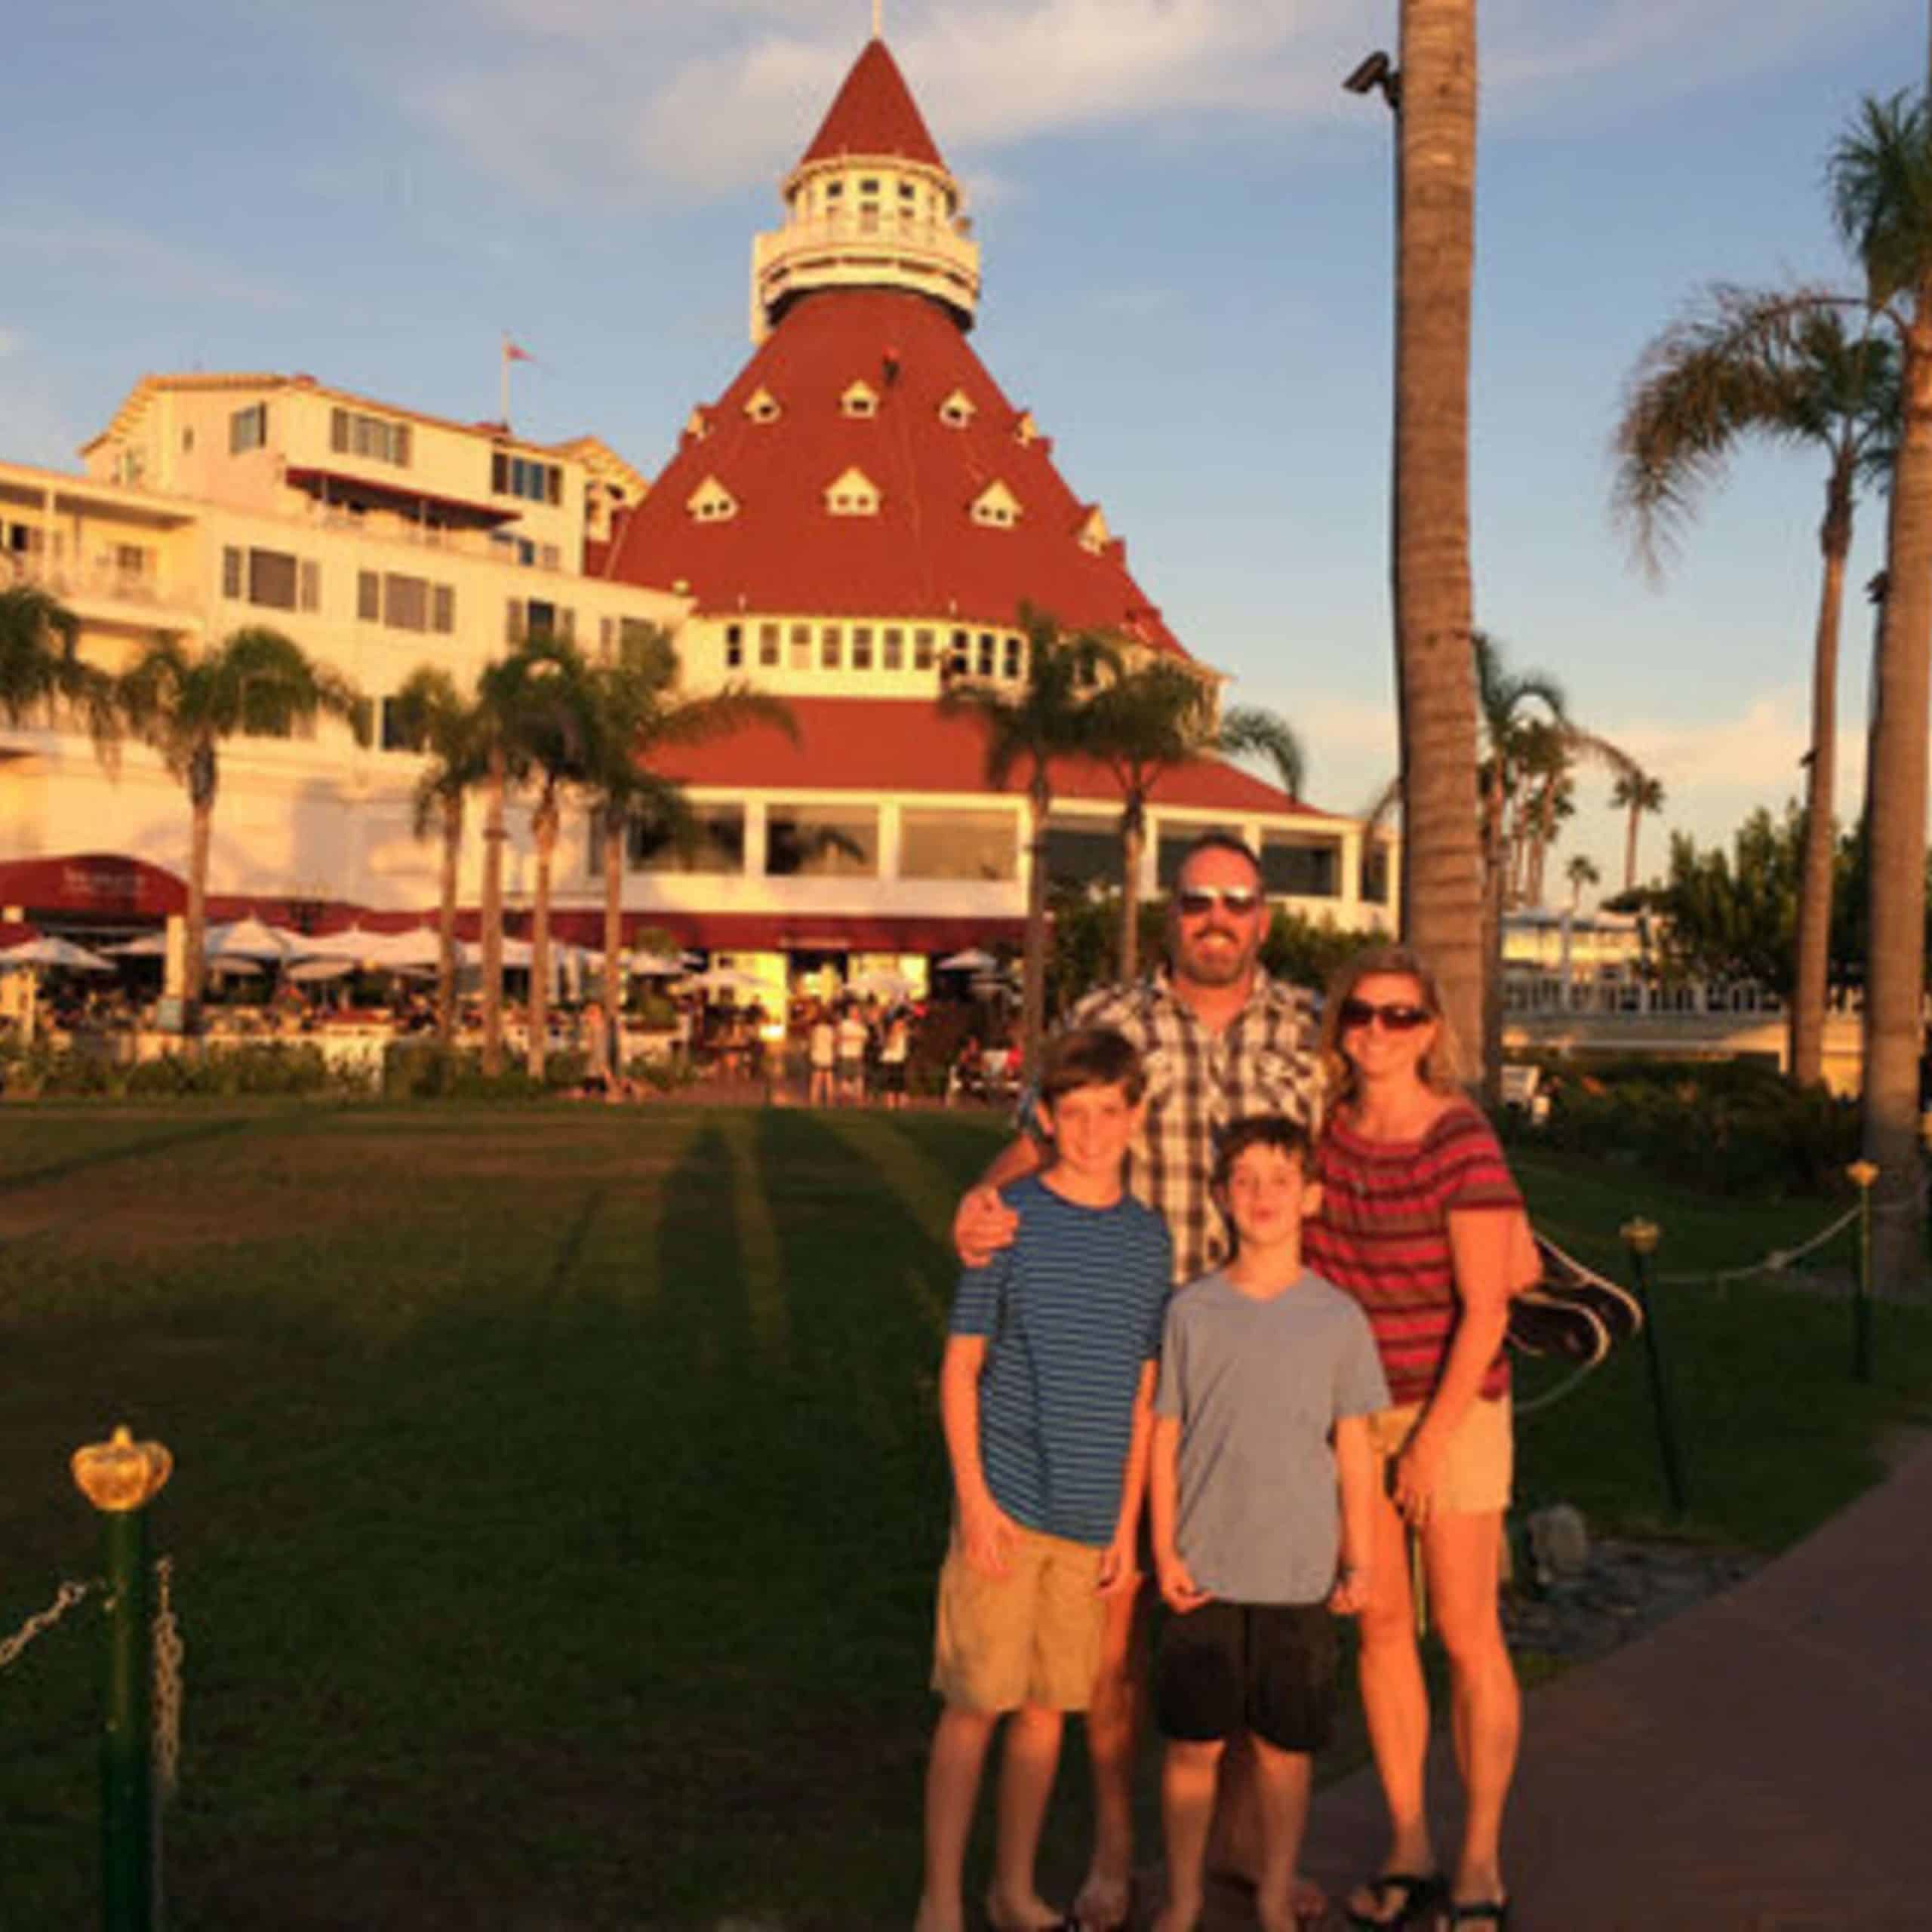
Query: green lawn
558, 1491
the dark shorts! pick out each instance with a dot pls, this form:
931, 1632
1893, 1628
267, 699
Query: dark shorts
1268, 1668
892, 1076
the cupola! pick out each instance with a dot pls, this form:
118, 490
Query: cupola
871, 204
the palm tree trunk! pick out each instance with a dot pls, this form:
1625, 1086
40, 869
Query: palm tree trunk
1814, 881
543, 836
614, 937
194, 962
1432, 594
1895, 972
1630, 847
1034, 991
446, 920
493, 836
1492, 986
1132, 842
1546, 838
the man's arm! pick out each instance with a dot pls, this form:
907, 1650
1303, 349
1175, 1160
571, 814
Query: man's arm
985, 1530
1119, 1569
983, 1223
1177, 1584
1354, 1470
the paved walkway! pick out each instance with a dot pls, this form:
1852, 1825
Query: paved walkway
1760, 1763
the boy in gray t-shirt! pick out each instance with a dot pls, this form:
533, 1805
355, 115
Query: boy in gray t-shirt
1263, 1367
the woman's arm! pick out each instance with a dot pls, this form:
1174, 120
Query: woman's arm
1483, 1246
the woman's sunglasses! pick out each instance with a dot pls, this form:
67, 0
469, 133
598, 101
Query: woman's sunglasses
1354, 1013
1197, 901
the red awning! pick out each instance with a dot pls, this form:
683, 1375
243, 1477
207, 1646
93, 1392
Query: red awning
402, 494
106, 885
792, 932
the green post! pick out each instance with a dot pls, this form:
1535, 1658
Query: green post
1863, 1173
121, 1477
1641, 1237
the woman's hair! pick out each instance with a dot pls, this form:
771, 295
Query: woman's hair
1440, 1067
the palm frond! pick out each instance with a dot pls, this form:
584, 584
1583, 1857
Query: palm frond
1878, 179
1249, 732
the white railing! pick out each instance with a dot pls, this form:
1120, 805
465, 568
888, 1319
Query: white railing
71, 584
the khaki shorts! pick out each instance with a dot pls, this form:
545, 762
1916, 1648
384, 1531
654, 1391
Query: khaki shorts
1030, 1637
1480, 1462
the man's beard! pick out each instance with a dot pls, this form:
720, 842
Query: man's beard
1218, 966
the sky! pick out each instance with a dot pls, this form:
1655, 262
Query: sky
1186, 225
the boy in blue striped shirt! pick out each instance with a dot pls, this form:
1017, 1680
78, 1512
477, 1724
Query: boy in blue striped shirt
1045, 1395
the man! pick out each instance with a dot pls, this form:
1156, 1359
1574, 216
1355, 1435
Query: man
1220, 1040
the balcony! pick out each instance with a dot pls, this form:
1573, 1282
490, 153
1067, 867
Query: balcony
115, 595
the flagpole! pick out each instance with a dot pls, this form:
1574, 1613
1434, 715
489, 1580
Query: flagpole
503, 414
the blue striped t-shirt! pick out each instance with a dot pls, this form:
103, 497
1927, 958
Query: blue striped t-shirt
1071, 1312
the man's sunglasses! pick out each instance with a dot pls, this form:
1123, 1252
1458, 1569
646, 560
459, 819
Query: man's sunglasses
1197, 900
1356, 1013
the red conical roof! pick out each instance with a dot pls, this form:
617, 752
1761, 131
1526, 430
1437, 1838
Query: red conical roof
923, 555
874, 114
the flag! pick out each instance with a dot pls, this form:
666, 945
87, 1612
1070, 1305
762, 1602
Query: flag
513, 354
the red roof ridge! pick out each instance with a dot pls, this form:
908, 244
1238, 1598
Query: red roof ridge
874, 113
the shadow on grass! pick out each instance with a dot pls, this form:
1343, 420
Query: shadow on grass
187, 1135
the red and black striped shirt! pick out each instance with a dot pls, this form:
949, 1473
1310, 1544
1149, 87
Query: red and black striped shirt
1382, 1234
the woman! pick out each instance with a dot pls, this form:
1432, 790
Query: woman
1422, 1223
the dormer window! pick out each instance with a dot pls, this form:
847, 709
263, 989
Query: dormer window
854, 494
762, 406
697, 425
1092, 532
860, 400
996, 507
957, 411
711, 502
1026, 430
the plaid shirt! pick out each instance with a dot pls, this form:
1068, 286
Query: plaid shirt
1264, 1062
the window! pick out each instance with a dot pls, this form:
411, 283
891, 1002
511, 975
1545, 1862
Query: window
231, 573
830, 647
711, 502
923, 645
852, 493
442, 616
717, 843
959, 658
957, 411
351, 433
309, 588
525, 477
1306, 870
272, 579
549, 556
1009, 666
391, 737
968, 845
906, 191
817, 841
734, 647
762, 406
996, 507
405, 603
869, 186
248, 429
1086, 852
1175, 841
767, 647
537, 616
368, 597
894, 651
801, 646
188, 441
988, 644
860, 400
862, 647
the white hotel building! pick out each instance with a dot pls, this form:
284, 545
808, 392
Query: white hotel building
859, 515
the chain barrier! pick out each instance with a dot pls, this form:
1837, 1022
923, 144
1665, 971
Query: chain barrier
1775, 1262
66, 1597
168, 1652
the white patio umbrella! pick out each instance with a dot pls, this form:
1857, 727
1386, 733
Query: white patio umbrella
882, 984
308, 971
249, 939
725, 979
150, 946
48, 951
655, 966
971, 961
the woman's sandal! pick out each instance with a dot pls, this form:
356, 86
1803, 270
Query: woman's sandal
1480, 1911
1421, 1893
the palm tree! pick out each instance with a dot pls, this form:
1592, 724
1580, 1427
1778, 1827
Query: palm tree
1442, 877
1156, 717
1637, 792
1880, 177
41, 665
1580, 871
636, 708
1048, 719
185, 703
1505, 699
1745, 364
429, 714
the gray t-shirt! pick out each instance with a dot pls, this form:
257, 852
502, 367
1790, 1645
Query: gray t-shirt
1257, 1385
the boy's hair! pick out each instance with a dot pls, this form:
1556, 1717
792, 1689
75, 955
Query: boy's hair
1275, 1130
1091, 1056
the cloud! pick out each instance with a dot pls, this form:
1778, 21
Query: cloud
651, 98
87, 245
